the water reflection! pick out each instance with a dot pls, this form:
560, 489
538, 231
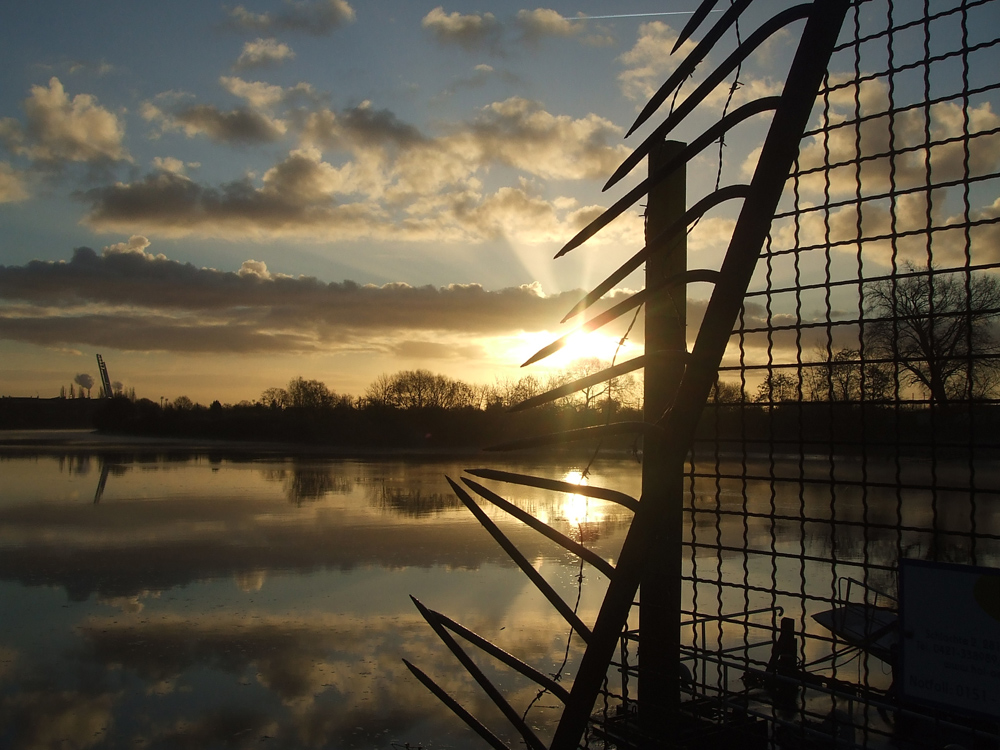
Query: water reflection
205, 602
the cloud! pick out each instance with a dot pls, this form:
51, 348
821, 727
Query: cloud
308, 16
240, 126
396, 182
60, 129
266, 96
650, 62
263, 52
173, 165
543, 22
129, 299
520, 133
13, 187
471, 31
35, 719
479, 76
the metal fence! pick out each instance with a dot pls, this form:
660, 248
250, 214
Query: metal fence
833, 419
856, 421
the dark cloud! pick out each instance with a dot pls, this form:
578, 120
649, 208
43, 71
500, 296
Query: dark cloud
129, 299
311, 17
173, 203
240, 125
370, 127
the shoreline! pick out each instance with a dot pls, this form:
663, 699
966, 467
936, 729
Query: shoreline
52, 441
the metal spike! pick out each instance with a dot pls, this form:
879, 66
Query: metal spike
612, 313
582, 433
699, 15
588, 490
471, 721
761, 35
500, 655
564, 390
606, 568
691, 61
699, 209
694, 148
522, 562
530, 738
777, 156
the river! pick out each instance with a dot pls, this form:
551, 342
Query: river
172, 599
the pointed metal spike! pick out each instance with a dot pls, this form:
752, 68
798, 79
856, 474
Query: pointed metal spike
529, 737
522, 562
692, 60
544, 529
778, 154
699, 15
582, 433
471, 721
568, 388
702, 207
612, 313
589, 490
591, 325
758, 37
498, 653
698, 145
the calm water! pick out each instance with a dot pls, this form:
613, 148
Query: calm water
158, 602
219, 603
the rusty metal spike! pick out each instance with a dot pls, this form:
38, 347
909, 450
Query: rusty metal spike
758, 37
612, 313
471, 721
699, 209
530, 738
522, 562
588, 490
689, 63
696, 147
582, 433
606, 568
500, 655
564, 390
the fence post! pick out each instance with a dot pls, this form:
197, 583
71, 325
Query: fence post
663, 480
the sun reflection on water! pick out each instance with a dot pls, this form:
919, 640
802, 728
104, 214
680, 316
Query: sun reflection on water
578, 509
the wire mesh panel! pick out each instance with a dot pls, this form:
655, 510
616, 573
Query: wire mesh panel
848, 353
855, 423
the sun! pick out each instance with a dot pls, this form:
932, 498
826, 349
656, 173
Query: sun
577, 346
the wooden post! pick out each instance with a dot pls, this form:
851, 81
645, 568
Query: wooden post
663, 479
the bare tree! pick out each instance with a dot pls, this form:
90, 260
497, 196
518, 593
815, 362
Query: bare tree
777, 386
939, 328
845, 377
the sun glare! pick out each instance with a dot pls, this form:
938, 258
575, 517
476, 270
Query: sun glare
578, 346
578, 509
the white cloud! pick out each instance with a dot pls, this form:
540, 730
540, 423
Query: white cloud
470, 31
262, 52
650, 62
543, 22
13, 187
61, 129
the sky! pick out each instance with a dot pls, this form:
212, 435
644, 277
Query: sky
219, 197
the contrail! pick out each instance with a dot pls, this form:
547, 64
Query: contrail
635, 15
